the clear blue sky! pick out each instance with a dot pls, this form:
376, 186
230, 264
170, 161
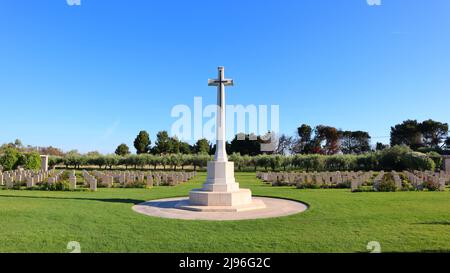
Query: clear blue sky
90, 77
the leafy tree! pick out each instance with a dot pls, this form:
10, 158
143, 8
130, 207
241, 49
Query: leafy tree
330, 136
185, 148
237, 159
212, 150
356, 142
202, 146
73, 158
433, 132
285, 145
112, 160
55, 160
99, 160
428, 134
93, 153
276, 161
447, 143
18, 143
407, 133
380, 146
163, 143
142, 143
186, 160
305, 133
304, 142
122, 150
176, 146
263, 161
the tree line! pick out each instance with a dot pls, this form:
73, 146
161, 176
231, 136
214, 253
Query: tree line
394, 158
428, 137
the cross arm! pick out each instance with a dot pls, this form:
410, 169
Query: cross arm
226, 82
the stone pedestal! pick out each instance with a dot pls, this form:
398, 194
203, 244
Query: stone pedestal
44, 163
221, 193
447, 163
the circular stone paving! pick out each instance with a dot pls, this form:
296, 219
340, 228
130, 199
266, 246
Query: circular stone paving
168, 208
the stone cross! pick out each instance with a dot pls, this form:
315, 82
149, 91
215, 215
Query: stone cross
221, 82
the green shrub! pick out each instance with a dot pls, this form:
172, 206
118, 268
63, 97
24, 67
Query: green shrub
387, 184
10, 159
401, 158
58, 186
340, 162
437, 158
309, 163
367, 162
430, 186
392, 158
30, 161
418, 161
310, 185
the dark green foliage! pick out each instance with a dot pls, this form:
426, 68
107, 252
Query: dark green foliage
122, 150
58, 186
356, 142
428, 134
202, 146
142, 143
387, 184
10, 158
401, 158
30, 161
407, 133
163, 143
397, 158
437, 158
380, 146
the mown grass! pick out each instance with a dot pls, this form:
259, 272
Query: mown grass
337, 221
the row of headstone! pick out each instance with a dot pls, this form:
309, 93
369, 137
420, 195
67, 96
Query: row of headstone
19, 176
320, 179
105, 179
437, 180
31, 178
108, 178
356, 179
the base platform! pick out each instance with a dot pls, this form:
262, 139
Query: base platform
170, 208
254, 204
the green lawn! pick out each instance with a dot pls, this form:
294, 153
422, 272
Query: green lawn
337, 221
